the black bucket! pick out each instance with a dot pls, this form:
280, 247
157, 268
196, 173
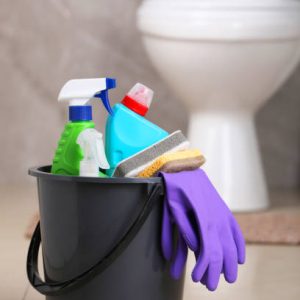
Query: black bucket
100, 239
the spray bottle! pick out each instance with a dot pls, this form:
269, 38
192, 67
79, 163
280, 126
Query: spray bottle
92, 146
78, 93
127, 130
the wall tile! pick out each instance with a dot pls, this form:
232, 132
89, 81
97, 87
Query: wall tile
45, 43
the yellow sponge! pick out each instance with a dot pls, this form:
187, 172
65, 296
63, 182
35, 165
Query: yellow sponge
174, 162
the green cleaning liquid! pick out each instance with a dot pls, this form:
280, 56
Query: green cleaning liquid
82, 156
68, 153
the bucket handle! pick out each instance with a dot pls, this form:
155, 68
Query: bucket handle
58, 288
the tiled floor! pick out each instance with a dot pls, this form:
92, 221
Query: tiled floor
271, 272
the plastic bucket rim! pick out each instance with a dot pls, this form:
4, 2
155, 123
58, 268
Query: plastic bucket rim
44, 172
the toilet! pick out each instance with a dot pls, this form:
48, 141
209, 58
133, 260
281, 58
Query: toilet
224, 59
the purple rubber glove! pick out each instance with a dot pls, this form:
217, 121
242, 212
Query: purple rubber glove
205, 225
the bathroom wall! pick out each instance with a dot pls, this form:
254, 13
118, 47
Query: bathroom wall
45, 43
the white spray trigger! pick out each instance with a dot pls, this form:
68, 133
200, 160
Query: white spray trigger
78, 92
91, 143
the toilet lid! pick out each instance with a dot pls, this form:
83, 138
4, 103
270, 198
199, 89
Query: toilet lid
222, 4
220, 19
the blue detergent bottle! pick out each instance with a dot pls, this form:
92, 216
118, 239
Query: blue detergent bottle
127, 131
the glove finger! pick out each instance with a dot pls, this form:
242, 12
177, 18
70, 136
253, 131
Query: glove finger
213, 274
203, 251
201, 265
203, 280
183, 221
180, 258
230, 264
230, 268
215, 265
204, 277
166, 233
239, 240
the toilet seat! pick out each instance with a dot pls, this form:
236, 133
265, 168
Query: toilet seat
221, 19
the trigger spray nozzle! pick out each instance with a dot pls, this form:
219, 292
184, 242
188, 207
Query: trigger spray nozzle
92, 146
78, 92
103, 95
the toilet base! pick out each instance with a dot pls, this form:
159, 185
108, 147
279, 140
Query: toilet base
233, 163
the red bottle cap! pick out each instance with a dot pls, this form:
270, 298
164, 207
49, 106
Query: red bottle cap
135, 106
138, 99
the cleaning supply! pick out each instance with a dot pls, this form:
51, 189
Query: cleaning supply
186, 160
205, 225
78, 93
136, 163
92, 146
100, 240
127, 131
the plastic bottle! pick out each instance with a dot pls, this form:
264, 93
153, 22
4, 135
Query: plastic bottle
127, 131
92, 146
78, 92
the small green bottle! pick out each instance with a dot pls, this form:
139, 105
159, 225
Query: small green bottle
78, 92
68, 153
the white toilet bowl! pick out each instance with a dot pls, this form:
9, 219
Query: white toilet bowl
224, 59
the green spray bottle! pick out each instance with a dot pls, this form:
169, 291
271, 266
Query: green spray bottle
78, 92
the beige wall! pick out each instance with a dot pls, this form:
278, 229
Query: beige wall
45, 43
